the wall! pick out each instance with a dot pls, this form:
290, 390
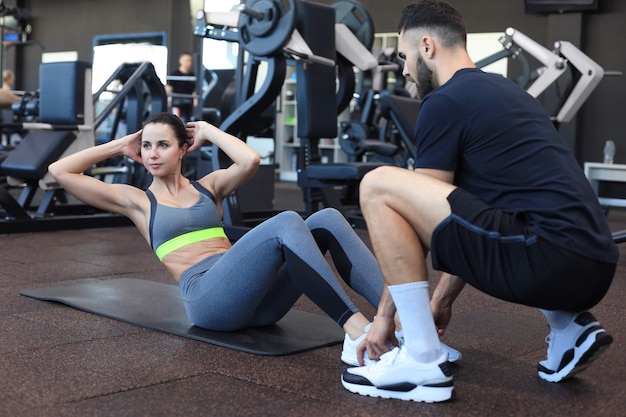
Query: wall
71, 24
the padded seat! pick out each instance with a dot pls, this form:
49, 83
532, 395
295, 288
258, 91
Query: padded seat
341, 172
378, 147
39, 148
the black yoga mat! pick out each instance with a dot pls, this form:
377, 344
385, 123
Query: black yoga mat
158, 306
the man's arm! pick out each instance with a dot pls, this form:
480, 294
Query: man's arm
448, 289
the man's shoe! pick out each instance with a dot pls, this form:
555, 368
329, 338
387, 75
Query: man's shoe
397, 375
348, 354
573, 349
453, 354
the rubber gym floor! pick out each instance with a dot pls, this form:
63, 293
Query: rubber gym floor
58, 361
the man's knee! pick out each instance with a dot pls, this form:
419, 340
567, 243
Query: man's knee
372, 182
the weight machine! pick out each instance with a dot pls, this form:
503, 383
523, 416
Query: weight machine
555, 64
60, 122
324, 43
383, 130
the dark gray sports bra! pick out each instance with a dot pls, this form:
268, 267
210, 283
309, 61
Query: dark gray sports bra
171, 228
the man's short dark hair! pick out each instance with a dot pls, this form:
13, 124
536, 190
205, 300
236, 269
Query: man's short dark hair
437, 16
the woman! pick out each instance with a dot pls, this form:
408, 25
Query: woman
228, 287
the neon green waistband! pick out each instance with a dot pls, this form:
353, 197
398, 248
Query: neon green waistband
187, 239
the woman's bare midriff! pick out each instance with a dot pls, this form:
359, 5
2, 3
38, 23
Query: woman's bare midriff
181, 259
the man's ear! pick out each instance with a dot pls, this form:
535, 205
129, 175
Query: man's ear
427, 46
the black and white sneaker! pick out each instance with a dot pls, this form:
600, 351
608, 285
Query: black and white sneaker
573, 349
397, 375
348, 353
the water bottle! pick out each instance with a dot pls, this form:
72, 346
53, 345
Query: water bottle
609, 151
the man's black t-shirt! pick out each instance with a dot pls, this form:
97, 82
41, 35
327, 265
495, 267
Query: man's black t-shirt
504, 149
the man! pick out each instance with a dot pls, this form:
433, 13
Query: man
181, 91
499, 201
7, 98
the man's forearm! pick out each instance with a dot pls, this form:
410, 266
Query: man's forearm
448, 289
386, 306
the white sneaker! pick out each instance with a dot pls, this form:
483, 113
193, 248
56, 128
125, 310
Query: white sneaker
348, 354
397, 375
574, 348
453, 354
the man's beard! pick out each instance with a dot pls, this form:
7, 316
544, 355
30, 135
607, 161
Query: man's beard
424, 79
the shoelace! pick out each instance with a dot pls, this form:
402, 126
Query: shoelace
388, 358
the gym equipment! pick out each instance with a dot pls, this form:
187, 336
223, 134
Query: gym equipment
260, 27
132, 301
356, 18
65, 124
320, 181
384, 129
266, 30
556, 63
395, 143
59, 131
217, 96
63, 82
316, 83
244, 120
321, 49
265, 26
28, 166
141, 94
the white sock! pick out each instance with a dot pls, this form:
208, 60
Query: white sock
412, 302
558, 320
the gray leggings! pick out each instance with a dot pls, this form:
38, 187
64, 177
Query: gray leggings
260, 278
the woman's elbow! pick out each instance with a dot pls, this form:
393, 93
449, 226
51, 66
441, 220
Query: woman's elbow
53, 169
253, 162
58, 172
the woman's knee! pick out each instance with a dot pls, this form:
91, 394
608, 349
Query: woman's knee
287, 224
288, 217
324, 218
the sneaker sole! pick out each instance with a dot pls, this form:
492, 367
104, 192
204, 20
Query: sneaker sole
419, 393
596, 343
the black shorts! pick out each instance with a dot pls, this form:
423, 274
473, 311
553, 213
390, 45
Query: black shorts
498, 254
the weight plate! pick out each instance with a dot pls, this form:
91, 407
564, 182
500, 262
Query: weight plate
351, 135
266, 36
357, 19
263, 27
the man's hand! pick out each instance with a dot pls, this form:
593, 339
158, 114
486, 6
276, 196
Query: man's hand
448, 289
377, 340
